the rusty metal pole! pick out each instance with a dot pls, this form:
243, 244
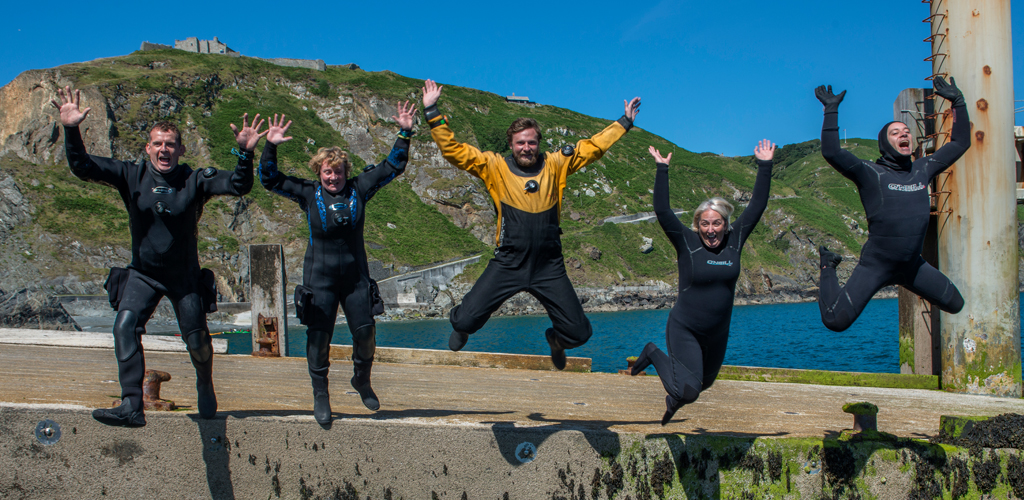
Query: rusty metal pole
919, 320
268, 301
977, 227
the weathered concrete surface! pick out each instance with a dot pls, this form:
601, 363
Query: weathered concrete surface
442, 429
57, 338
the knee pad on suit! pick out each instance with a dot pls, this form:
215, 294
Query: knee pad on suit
200, 345
126, 340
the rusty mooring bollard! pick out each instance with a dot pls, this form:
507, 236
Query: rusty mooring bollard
267, 338
630, 361
864, 416
151, 392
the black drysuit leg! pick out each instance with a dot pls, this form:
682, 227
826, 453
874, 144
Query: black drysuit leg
138, 302
548, 283
188, 309
319, 318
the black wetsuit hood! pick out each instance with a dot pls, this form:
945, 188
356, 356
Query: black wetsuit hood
890, 156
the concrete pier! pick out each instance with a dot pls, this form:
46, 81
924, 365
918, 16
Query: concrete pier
443, 432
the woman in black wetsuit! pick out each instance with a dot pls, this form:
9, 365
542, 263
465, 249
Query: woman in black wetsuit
709, 264
335, 270
894, 191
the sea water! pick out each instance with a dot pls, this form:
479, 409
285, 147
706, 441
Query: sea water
775, 335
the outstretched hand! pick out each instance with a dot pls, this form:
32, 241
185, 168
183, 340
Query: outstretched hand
70, 113
948, 91
632, 109
828, 99
765, 150
431, 93
657, 156
406, 112
250, 134
275, 134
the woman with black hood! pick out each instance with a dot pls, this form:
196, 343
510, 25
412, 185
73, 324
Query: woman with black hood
894, 191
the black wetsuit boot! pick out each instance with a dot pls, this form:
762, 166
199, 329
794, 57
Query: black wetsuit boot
131, 368
200, 350
364, 345
318, 350
557, 351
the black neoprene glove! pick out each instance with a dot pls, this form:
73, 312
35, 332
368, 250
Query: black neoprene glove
828, 99
948, 90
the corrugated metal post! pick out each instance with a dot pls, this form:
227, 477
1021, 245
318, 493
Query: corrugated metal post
977, 224
268, 300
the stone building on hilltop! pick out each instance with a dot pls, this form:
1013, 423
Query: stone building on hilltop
215, 46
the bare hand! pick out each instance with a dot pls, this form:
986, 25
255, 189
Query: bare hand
657, 156
632, 108
70, 114
275, 134
250, 134
431, 93
765, 150
405, 115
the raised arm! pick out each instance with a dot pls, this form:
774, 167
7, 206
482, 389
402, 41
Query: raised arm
840, 159
590, 150
673, 228
270, 177
84, 166
764, 152
459, 154
238, 183
375, 177
959, 136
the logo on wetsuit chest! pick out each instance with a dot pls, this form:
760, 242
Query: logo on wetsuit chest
906, 187
162, 190
719, 262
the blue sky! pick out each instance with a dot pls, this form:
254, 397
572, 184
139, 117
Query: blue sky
714, 76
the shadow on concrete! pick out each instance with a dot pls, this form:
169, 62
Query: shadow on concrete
216, 455
520, 445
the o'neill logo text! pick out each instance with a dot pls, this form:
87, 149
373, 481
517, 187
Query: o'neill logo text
719, 262
908, 188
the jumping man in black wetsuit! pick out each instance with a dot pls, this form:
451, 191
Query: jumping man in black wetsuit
894, 191
164, 200
526, 188
335, 268
709, 265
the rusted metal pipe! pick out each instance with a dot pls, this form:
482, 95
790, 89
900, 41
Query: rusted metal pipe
977, 223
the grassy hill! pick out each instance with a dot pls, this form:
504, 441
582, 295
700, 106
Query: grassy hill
432, 213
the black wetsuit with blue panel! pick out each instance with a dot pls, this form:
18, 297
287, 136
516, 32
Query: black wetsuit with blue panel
335, 269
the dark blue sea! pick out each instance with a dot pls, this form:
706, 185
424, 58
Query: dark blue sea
777, 335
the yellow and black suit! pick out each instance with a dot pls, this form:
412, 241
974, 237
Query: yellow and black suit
528, 256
